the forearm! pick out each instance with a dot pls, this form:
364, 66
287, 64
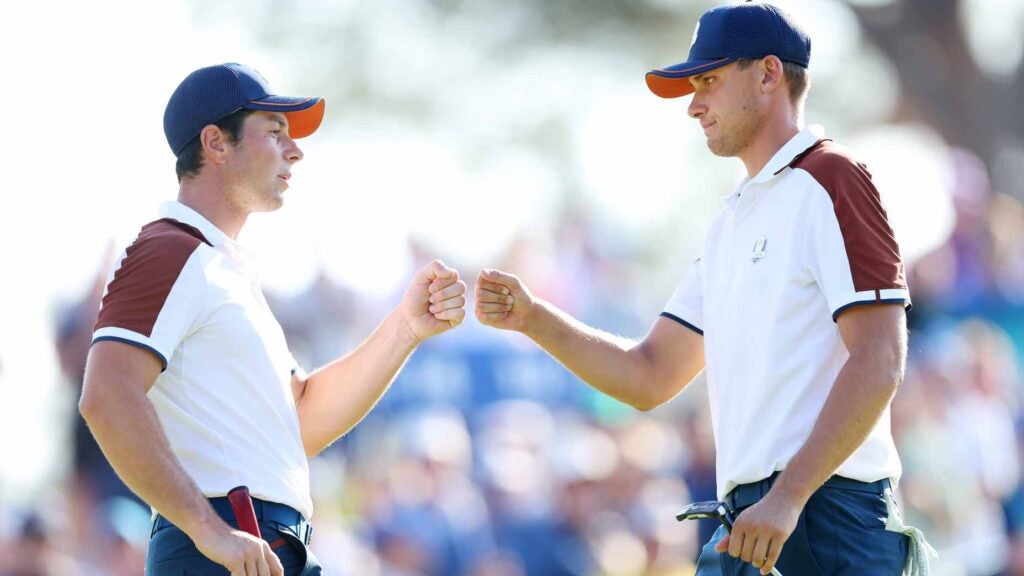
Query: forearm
127, 430
859, 397
337, 396
612, 364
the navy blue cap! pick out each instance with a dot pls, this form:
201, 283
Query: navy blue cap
212, 93
729, 33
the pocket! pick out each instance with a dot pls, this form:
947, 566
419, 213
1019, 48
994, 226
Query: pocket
169, 543
855, 535
798, 556
171, 550
295, 556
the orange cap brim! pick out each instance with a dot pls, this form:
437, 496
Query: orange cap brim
302, 123
674, 81
669, 87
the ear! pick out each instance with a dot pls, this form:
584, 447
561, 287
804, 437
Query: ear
215, 144
771, 73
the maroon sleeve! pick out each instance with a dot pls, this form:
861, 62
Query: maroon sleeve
875, 262
145, 276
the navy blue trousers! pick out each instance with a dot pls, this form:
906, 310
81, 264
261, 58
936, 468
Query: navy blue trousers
172, 553
841, 532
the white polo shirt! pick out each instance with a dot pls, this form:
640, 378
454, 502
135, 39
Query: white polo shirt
792, 249
186, 292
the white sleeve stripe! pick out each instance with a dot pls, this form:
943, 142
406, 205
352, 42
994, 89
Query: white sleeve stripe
893, 293
129, 337
877, 295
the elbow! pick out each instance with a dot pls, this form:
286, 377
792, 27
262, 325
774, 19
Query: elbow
314, 441
888, 367
89, 406
645, 404
94, 404
895, 379
649, 388
651, 398
894, 364
311, 445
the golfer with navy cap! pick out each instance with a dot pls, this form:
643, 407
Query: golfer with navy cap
190, 388
795, 309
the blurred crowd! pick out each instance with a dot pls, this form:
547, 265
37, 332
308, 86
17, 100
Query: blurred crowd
487, 458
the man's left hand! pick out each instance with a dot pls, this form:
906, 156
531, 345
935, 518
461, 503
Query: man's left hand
760, 531
434, 302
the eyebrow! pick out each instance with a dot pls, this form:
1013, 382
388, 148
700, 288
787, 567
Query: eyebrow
279, 119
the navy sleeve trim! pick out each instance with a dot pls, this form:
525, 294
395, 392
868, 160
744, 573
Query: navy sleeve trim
683, 322
841, 309
158, 355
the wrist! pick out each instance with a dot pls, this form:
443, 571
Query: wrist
529, 325
792, 492
204, 525
403, 330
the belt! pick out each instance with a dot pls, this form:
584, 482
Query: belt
281, 514
746, 494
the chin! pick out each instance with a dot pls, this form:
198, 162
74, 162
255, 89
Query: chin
271, 204
724, 149
718, 150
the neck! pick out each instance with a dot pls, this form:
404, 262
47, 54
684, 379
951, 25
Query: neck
778, 129
210, 199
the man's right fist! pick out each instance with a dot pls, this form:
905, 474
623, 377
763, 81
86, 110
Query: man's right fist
502, 301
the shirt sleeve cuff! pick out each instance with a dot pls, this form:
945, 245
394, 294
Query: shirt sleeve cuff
867, 297
689, 325
132, 338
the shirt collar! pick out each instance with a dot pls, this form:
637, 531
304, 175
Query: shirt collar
796, 146
182, 213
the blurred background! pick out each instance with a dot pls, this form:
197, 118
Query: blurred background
517, 135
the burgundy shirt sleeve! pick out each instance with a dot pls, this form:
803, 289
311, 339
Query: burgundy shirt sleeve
873, 255
136, 296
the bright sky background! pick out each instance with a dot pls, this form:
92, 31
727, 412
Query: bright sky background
86, 163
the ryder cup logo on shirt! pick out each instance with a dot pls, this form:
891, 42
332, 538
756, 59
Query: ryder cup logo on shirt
760, 249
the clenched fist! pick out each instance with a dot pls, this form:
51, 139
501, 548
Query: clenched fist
435, 301
502, 301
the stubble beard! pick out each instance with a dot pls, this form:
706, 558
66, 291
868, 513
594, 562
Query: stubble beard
267, 199
748, 124
272, 200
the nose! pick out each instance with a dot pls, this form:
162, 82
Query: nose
292, 152
696, 109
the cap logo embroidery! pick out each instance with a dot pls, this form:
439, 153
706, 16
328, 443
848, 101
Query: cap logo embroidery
760, 249
695, 31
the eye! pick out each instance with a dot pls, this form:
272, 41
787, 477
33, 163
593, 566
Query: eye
709, 80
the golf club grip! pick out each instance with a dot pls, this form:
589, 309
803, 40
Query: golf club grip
241, 504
